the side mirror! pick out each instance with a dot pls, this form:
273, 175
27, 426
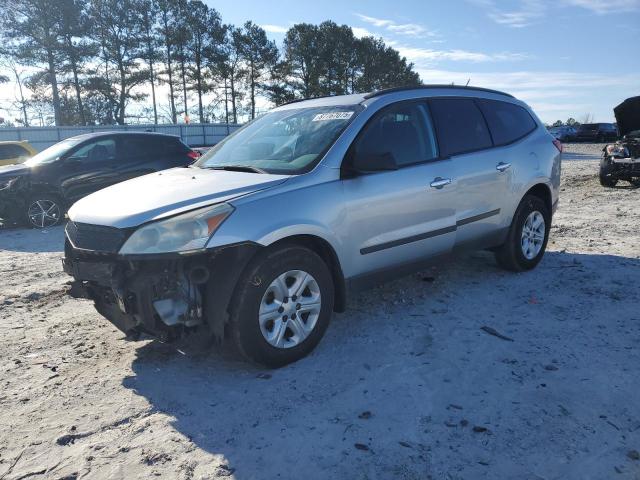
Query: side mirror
370, 163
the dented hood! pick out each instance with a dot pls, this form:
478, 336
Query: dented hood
162, 194
628, 115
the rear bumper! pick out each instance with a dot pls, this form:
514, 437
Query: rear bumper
162, 296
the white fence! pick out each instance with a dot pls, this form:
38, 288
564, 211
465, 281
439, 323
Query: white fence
198, 135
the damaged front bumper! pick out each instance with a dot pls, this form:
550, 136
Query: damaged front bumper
164, 296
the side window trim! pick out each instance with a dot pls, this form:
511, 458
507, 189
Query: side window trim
376, 115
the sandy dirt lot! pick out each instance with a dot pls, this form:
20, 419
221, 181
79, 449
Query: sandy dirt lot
405, 384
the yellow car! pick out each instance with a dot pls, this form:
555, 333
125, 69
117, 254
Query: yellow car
15, 152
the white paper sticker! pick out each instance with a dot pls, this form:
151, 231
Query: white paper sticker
322, 117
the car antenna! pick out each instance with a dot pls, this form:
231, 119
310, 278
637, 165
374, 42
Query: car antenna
468, 81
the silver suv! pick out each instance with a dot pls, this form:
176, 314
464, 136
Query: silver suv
267, 234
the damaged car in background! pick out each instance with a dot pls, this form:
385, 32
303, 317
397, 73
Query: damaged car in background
621, 160
266, 234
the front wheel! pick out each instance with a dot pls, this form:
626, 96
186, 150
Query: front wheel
44, 211
527, 238
282, 306
607, 179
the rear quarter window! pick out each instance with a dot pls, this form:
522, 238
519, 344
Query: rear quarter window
507, 122
459, 125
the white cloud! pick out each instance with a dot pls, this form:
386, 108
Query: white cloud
274, 28
606, 6
526, 12
407, 29
429, 56
360, 32
552, 95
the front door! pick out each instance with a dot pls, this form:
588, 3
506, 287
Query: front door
400, 216
89, 168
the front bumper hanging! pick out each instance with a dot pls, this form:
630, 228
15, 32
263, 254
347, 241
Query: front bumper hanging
164, 296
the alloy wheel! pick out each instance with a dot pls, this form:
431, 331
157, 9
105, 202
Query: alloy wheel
533, 232
44, 213
289, 309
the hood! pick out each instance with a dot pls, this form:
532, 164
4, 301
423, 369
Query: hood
628, 115
163, 194
11, 171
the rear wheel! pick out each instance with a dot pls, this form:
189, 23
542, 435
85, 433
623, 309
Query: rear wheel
282, 306
527, 238
44, 211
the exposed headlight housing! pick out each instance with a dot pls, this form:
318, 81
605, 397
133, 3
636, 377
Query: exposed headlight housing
182, 233
616, 150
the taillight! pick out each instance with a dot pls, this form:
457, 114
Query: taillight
193, 155
558, 144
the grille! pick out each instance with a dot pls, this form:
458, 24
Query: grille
95, 237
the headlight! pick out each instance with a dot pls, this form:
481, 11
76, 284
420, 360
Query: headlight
617, 150
185, 232
7, 183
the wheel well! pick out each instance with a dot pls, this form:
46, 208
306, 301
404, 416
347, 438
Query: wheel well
327, 253
544, 193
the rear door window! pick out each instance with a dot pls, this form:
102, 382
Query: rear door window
460, 125
404, 130
507, 122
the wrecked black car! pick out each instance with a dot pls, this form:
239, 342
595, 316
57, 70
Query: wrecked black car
621, 160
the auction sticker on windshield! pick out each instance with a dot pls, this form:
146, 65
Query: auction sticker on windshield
321, 117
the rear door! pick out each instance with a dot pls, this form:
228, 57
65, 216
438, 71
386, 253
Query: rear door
484, 175
138, 155
397, 217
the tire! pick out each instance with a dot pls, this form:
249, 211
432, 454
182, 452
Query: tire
511, 255
44, 211
261, 283
635, 182
606, 178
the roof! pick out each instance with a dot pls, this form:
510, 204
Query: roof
435, 87
116, 132
354, 99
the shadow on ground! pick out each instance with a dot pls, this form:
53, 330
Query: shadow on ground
375, 398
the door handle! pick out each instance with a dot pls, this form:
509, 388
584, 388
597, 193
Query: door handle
440, 182
501, 167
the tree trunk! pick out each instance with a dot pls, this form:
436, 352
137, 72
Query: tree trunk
233, 99
23, 103
226, 102
153, 92
54, 88
198, 61
253, 92
184, 84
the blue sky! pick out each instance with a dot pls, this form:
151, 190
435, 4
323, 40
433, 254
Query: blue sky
564, 57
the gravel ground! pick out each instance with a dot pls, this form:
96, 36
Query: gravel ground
406, 384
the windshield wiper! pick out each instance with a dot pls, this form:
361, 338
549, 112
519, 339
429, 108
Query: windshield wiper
237, 168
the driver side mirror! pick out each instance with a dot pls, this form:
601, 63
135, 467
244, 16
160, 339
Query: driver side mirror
371, 163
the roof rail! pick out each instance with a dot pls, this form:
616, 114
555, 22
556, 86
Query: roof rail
428, 87
305, 99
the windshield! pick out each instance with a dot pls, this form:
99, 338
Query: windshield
286, 142
52, 153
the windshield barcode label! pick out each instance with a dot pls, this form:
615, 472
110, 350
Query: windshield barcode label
321, 117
